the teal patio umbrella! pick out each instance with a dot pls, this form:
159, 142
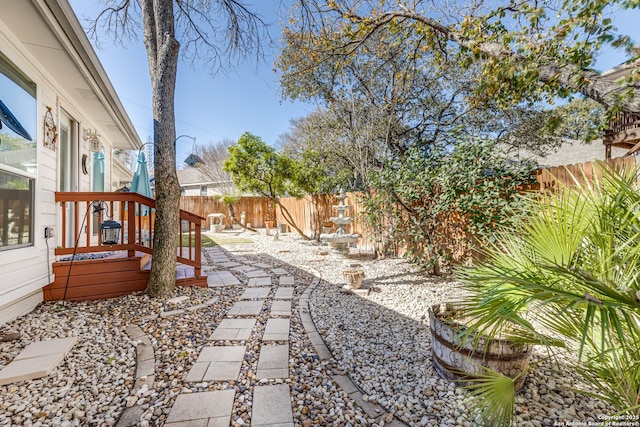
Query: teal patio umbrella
140, 183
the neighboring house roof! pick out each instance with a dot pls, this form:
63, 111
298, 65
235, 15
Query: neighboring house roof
121, 173
572, 152
56, 41
621, 70
194, 176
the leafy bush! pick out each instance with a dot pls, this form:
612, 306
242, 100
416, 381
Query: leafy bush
442, 204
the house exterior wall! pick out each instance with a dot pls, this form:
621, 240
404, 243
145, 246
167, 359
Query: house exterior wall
24, 271
195, 190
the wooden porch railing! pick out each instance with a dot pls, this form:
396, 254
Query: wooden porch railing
80, 226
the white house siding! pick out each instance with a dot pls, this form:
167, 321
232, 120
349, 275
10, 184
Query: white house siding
25, 271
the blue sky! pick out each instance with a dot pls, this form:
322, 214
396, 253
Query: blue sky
212, 108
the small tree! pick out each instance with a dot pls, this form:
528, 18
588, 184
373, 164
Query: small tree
442, 203
258, 168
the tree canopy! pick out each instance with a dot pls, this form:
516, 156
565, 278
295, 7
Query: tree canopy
259, 169
526, 51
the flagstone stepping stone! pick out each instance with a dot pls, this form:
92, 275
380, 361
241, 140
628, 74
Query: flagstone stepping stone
210, 408
286, 280
272, 406
284, 293
273, 361
276, 330
217, 363
259, 281
255, 293
233, 330
246, 308
281, 308
37, 360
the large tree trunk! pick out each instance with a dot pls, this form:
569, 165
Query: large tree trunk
162, 51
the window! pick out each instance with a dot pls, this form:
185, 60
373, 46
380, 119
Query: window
18, 105
16, 208
18, 164
203, 190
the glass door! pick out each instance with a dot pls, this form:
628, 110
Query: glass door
68, 168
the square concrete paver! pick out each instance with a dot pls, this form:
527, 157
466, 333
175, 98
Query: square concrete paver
233, 330
246, 308
276, 330
255, 293
286, 280
280, 271
222, 354
214, 407
37, 360
273, 361
217, 363
29, 369
229, 264
222, 371
262, 265
221, 278
244, 268
257, 273
272, 406
284, 293
281, 308
42, 348
260, 281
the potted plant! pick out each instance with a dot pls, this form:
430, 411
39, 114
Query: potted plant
572, 266
459, 356
270, 217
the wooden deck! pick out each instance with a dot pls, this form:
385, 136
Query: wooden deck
109, 277
623, 132
127, 268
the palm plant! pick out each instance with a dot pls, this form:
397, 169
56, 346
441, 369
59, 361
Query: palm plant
567, 275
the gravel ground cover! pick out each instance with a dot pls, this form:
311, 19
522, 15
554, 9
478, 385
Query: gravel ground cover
92, 384
381, 341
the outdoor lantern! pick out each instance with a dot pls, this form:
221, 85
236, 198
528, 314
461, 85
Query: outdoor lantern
110, 232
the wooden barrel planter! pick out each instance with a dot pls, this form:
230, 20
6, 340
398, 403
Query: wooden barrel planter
456, 360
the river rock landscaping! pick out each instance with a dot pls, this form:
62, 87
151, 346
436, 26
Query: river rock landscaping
381, 341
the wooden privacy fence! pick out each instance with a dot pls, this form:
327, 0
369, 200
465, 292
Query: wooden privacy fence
254, 208
311, 212
567, 175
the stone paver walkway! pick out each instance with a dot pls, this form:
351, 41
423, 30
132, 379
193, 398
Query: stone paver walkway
266, 307
37, 360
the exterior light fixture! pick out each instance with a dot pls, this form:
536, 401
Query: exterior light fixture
110, 232
94, 141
